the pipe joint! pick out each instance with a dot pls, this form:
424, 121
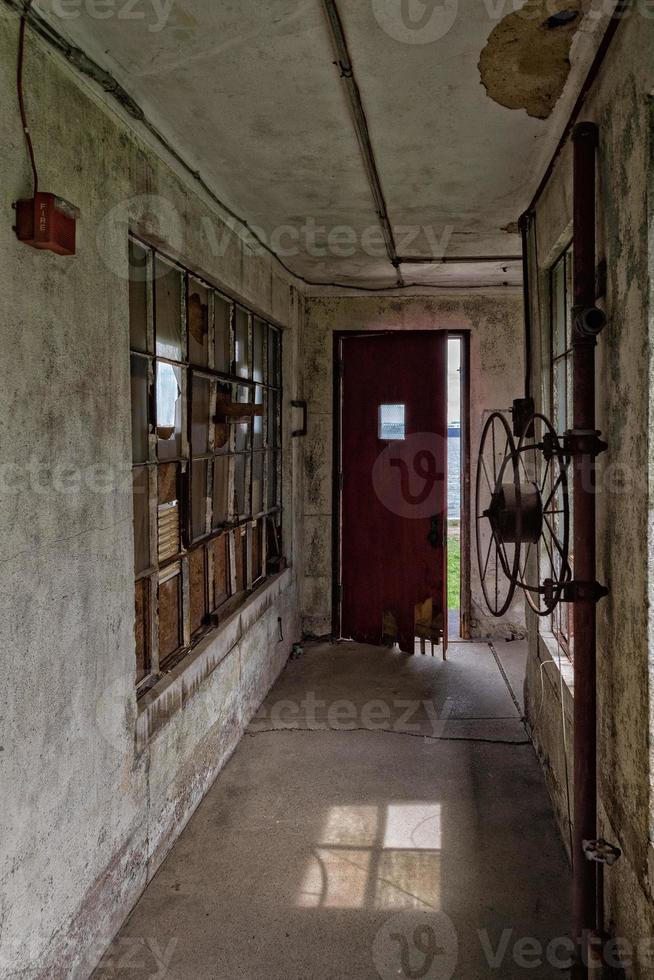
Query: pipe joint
587, 132
588, 322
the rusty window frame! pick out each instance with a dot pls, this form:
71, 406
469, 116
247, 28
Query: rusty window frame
562, 625
239, 531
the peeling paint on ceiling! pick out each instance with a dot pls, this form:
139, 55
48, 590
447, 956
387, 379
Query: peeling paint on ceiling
249, 95
526, 61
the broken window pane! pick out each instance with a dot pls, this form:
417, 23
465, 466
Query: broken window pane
140, 439
221, 514
199, 494
168, 310
391, 422
169, 411
222, 326
170, 620
198, 323
138, 304
221, 573
141, 496
142, 629
258, 334
198, 588
201, 402
241, 367
257, 483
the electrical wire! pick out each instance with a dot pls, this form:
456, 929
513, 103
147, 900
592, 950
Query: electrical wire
86, 66
21, 94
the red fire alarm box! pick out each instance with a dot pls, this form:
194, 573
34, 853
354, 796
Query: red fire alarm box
48, 222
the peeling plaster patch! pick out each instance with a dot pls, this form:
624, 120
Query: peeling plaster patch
526, 63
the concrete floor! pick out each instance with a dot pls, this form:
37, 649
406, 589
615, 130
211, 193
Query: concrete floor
384, 817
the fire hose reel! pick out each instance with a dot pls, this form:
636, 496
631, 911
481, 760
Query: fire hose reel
522, 514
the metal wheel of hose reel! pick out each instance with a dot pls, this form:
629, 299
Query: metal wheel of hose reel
522, 515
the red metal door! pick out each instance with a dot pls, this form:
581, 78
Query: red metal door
393, 496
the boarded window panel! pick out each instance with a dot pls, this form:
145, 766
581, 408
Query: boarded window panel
221, 571
256, 545
167, 475
201, 401
198, 585
199, 494
138, 305
241, 353
140, 441
222, 321
141, 485
168, 539
142, 629
258, 334
241, 486
168, 310
221, 466
169, 411
170, 638
257, 483
198, 323
240, 565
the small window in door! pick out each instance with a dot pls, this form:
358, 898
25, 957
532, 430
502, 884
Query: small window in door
391, 422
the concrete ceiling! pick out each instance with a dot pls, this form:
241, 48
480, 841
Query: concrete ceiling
249, 93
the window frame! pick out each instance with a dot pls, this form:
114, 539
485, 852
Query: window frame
563, 626
242, 569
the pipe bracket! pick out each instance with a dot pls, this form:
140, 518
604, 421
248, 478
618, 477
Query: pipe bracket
601, 852
583, 442
578, 591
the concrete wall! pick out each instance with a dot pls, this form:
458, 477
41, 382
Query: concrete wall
621, 104
86, 815
494, 322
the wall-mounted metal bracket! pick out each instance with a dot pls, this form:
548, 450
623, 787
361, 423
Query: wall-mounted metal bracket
577, 591
303, 431
574, 442
601, 852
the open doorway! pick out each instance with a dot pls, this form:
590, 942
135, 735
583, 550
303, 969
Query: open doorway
455, 472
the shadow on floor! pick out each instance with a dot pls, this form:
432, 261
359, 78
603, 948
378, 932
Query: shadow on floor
385, 816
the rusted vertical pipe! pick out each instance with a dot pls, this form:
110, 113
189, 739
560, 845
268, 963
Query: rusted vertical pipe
585, 138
